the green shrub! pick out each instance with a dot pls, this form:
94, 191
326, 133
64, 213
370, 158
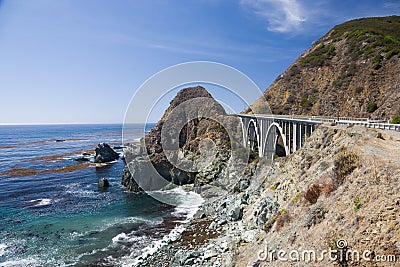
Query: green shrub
369, 51
357, 204
390, 39
358, 33
319, 56
391, 53
395, 119
275, 186
376, 61
294, 71
372, 107
337, 83
305, 102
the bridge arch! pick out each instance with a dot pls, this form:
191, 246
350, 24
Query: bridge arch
272, 139
253, 135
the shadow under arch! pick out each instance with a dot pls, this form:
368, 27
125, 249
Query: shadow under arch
276, 143
253, 138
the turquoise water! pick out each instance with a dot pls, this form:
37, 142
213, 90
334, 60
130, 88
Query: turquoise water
51, 209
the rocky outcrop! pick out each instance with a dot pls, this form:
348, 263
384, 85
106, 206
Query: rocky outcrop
351, 71
190, 144
103, 183
104, 153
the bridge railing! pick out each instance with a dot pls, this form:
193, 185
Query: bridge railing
383, 126
315, 118
378, 124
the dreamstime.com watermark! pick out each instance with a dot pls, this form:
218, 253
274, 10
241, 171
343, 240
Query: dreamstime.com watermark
342, 253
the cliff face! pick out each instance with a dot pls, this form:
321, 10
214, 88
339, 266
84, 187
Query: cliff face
354, 70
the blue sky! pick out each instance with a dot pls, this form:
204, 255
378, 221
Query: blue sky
81, 61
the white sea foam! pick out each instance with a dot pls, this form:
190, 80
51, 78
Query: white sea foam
20, 263
2, 249
119, 237
77, 190
189, 205
77, 156
41, 202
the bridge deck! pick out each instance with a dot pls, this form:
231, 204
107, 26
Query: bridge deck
320, 119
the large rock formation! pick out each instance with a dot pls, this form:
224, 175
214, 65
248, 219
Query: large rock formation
354, 70
104, 153
189, 145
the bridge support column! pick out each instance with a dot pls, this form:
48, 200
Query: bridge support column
294, 137
289, 137
309, 130
300, 136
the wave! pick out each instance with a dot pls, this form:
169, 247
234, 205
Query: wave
40, 202
3, 248
189, 204
79, 190
20, 263
127, 238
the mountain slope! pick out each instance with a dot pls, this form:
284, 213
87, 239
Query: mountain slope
354, 70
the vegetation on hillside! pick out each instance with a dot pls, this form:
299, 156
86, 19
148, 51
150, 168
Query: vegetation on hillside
351, 71
376, 39
395, 119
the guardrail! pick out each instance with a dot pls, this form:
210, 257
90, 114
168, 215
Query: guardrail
383, 126
317, 118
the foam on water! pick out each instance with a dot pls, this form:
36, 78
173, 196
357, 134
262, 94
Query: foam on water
20, 263
189, 205
41, 202
3, 249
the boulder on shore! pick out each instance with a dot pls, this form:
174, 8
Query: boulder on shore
104, 153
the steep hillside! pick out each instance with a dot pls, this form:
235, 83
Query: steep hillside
354, 70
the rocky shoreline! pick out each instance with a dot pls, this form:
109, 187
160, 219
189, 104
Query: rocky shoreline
275, 206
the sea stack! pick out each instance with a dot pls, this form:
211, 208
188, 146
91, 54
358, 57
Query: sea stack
193, 132
104, 153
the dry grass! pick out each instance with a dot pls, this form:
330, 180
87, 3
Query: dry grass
282, 219
345, 163
312, 194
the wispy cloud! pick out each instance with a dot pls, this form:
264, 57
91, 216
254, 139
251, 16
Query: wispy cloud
392, 4
222, 49
281, 15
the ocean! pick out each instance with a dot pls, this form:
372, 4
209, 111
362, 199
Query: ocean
52, 212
